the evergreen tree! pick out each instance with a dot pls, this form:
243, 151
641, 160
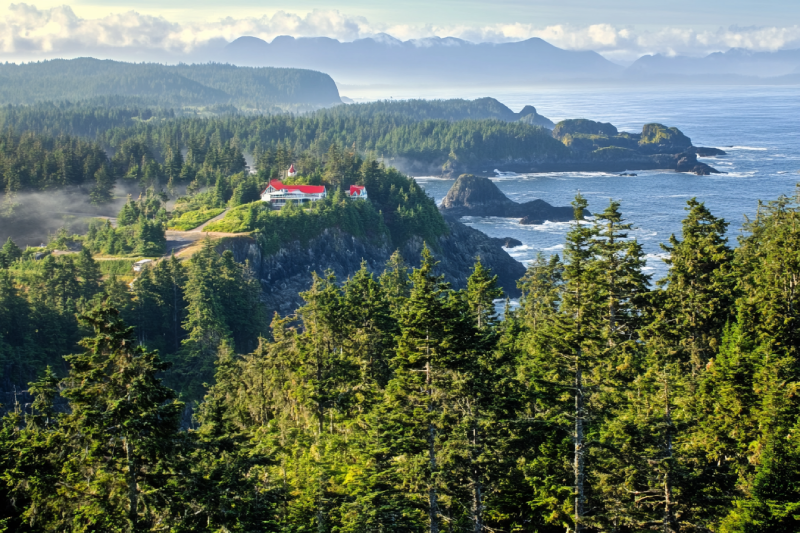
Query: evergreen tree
767, 277
10, 251
89, 274
566, 368
698, 293
122, 426
102, 191
416, 424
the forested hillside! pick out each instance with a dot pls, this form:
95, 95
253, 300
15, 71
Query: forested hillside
177, 149
430, 142
178, 86
393, 403
454, 109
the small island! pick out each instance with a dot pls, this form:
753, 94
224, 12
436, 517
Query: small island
477, 196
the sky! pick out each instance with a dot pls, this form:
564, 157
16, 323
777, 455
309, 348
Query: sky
175, 30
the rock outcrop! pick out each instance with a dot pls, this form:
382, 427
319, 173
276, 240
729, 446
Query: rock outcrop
477, 196
506, 242
528, 115
287, 273
708, 152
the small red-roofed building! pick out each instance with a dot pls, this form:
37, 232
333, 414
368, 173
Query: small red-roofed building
357, 192
277, 193
291, 172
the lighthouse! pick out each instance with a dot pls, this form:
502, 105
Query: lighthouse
291, 172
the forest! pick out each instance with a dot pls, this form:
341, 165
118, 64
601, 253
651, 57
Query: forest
604, 401
432, 142
392, 402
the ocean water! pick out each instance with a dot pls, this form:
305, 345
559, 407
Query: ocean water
759, 128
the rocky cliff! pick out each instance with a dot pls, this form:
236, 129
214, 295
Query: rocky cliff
477, 196
285, 274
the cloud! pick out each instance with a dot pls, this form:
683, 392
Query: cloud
29, 33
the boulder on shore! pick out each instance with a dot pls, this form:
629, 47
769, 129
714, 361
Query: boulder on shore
477, 196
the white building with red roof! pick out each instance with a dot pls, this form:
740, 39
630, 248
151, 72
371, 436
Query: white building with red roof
277, 193
291, 172
358, 192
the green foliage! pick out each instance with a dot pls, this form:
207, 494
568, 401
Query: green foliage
144, 238
122, 428
390, 136
9, 253
583, 126
192, 219
30, 162
660, 134
301, 223
140, 229
116, 267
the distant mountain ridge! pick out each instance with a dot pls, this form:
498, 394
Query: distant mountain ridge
736, 61
432, 61
166, 85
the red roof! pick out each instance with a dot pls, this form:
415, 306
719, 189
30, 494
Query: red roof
291, 169
305, 189
356, 189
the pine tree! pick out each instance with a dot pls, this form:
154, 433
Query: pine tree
102, 192
123, 426
31, 456
488, 397
540, 291
89, 273
394, 282
696, 298
768, 273
10, 251
228, 486
565, 368
424, 357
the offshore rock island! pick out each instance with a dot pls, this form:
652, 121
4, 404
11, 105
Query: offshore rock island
477, 196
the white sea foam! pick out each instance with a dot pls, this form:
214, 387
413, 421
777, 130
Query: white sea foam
501, 174
750, 148
737, 174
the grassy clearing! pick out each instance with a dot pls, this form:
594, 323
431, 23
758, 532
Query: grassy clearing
238, 219
192, 219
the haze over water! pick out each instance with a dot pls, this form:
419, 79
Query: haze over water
757, 126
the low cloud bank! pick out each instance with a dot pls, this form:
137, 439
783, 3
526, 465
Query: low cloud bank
28, 33
31, 218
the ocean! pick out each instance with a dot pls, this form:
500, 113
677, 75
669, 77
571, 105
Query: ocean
758, 127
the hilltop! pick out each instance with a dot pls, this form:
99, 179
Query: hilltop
178, 86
